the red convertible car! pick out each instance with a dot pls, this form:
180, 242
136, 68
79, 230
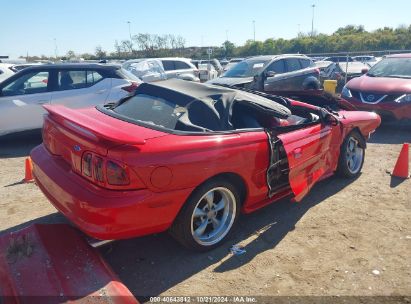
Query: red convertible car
188, 157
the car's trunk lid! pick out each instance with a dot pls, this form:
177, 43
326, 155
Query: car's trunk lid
69, 133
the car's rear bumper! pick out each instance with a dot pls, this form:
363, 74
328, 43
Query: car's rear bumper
385, 109
102, 213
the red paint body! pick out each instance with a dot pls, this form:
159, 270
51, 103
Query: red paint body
165, 168
54, 264
382, 86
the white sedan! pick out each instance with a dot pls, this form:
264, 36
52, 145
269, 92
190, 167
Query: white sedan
23, 95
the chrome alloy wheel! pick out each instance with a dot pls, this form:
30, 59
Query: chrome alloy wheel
213, 216
355, 155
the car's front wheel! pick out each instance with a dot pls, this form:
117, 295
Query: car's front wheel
208, 216
352, 155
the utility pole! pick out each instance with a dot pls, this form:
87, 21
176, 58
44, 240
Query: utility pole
254, 29
312, 21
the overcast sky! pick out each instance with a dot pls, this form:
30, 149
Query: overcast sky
31, 26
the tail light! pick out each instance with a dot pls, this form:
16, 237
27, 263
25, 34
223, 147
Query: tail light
197, 73
98, 169
116, 174
317, 70
131, 88
108, 173
338, 76
86, 164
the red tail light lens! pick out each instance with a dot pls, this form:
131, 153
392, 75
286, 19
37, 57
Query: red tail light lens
116, 174
108, 173
98, 169
131, 88
86, 164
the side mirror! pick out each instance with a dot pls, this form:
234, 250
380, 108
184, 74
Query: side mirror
270, 74
331, 120
364, 71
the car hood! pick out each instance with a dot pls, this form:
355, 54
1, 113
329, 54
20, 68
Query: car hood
231, 80
380, 84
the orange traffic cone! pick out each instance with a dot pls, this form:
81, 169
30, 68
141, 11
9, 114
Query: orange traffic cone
401, 167
29, 171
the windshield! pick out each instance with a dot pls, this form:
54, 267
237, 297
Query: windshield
392, 67
123, 73
246, 68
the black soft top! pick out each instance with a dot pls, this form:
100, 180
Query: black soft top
208, 105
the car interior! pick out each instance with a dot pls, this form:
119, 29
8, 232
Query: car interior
246, 117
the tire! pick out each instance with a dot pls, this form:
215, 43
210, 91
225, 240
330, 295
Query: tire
352, 155
200, 228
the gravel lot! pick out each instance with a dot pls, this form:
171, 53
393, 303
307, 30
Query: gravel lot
347, 238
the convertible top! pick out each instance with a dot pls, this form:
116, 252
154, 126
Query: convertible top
208, 105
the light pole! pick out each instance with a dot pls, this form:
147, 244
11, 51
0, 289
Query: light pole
129, 29
129, 33
55, 47
254, 29
312, 21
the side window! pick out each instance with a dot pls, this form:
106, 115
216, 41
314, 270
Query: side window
305, 63
293, 64
277, 67
71, 80
93, 77
168, 65
181, 65
29, 83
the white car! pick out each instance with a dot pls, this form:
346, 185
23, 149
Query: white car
207, 72
6, 71
172, 67
148, 70
23, 95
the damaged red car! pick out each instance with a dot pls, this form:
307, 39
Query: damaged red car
189, 157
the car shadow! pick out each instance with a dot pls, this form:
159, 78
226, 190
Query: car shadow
151, 265
19, 144
392, 132
53, 218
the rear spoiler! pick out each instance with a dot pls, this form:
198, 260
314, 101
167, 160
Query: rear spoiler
91, 127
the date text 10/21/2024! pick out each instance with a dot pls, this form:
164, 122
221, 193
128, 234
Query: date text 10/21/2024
204, 299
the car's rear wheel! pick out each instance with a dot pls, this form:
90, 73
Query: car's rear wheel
352, 155
208, 216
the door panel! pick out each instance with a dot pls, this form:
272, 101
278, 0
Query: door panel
308, 153
83, 97
21, 103
22, 112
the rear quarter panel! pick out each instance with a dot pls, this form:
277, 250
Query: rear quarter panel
176, 162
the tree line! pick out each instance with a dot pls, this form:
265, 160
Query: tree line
350, 38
